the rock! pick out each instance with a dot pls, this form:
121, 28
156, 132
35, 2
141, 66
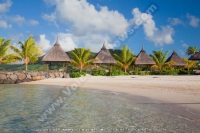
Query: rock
66, 75
106, 70
51, 75
42, 77
28, 77
40, 73
56, 75
61, 75
3, 77
21, 76
33, 74
18, 81
7, 81
13, 77
36, 78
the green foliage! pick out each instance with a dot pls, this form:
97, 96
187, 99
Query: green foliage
98, 73
191, 50
117, 73
165, 72
75, 75
6, 58
80, 57
83, 73
144, 73
159, 57
28, 52
125, 58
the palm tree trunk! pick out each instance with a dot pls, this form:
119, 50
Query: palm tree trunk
26, 66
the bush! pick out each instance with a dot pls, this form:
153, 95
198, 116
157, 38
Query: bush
98, 73
184, 72
165, 72
83, 73
144, 73
116, 73
75, 75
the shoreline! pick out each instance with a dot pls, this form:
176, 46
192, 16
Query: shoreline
181, 90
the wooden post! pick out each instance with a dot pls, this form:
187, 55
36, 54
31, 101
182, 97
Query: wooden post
47, 70
110, 67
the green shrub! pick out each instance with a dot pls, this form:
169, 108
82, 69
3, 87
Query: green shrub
75, 75
165, 72
144, 73
83, 73
116, 73
184, 72
98, 73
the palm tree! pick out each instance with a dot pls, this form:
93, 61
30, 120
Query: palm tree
29, 51
191, 50
125, 58
190, 63
80, 57
159, 57
6, 58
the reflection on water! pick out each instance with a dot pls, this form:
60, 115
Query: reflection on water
22, 105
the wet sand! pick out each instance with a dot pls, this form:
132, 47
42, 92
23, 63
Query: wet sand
177, 90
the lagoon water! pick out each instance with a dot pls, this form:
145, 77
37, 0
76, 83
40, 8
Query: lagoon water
36, 108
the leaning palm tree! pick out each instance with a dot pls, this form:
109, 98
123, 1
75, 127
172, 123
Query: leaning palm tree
80, 57
159, 57
125, 58
29, 51
191, 50
5, 57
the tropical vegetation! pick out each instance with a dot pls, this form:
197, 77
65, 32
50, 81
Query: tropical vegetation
80, 57
191, 50
125, 58
28, 52
5, 56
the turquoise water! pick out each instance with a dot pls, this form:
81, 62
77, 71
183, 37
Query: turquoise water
22, 109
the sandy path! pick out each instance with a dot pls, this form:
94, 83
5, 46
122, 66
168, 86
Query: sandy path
184, 90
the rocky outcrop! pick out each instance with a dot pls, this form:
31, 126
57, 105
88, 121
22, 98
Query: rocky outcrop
18, 77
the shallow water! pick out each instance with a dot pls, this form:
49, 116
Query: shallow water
25, 108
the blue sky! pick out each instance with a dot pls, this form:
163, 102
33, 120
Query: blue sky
172, 25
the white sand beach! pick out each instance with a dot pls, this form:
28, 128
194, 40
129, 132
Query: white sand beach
184, 90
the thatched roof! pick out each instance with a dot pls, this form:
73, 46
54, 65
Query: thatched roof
104, 57
196, 56
56, 54
178, 60
144, 59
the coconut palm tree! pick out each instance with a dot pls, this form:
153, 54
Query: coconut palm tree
6, 58
80, 57
190, 63
191, 50
125, 58
159, 57
28, 52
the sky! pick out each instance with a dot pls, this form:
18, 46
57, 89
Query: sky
155, 24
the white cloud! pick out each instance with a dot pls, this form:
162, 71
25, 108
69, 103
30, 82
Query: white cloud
4, 7
159, 37
182, 53
83, 17
32, 22
185, 45
3, 24
66, 41
175, 21
194, 21
18, 20
42, 41
51, 18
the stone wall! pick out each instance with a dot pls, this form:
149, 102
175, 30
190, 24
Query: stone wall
18, 77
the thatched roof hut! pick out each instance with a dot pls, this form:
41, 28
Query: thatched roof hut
144, 59
56, 54
104, 57
177, 59
196, 56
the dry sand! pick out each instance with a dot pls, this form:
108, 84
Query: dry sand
183, 90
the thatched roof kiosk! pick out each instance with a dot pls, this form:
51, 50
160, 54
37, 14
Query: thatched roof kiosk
177, 59
196, 56
144, 59
104, 57
56, 54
